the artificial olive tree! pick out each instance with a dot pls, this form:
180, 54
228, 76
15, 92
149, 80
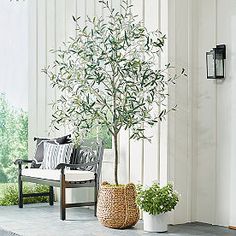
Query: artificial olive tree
109, 76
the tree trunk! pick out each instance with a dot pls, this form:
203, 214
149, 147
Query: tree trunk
116, 158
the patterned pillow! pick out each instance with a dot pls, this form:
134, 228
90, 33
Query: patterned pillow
38, 157
55, 154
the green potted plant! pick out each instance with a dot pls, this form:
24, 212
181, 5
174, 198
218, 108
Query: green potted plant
109, 77
156, 202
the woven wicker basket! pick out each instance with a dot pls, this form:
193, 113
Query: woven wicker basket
116, 206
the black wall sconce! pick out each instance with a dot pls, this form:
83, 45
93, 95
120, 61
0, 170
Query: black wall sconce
215, 62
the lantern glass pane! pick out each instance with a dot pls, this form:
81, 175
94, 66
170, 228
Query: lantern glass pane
219, 68
210, 65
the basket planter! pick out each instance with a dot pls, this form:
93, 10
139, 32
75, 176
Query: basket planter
155, 223
117, 207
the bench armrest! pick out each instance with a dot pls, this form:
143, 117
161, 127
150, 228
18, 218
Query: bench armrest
21, 161
64, 165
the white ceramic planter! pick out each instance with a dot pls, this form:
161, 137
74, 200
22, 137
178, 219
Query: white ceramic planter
155, 223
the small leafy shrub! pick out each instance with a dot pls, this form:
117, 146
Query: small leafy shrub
10, 194
155, 199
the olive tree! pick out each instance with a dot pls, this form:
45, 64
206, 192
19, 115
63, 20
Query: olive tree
109, 76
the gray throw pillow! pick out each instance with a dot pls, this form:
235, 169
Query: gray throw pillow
39, 153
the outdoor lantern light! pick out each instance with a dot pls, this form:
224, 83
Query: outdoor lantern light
215, 62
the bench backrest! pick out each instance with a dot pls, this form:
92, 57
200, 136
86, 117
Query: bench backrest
89, 151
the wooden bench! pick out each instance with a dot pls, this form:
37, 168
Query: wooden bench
83, 171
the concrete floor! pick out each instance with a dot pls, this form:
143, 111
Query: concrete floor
42, 220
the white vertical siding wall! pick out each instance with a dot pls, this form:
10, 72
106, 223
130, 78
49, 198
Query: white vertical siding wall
196, 147
206, 117
51, 24
179, 148
201, 140
215, 173
141, 162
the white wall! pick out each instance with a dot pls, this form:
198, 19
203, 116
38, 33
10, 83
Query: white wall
50, 24
231, 38
181, 35
141, 161
196, 149
206, 118
201, 148
215, 156
226, 114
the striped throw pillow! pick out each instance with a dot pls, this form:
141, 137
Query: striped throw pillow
55, 154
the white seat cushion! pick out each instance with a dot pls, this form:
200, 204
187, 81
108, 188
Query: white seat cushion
70, 175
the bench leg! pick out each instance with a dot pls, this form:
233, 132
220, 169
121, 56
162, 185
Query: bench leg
20, 192
95, 198
51, 196
63, 198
